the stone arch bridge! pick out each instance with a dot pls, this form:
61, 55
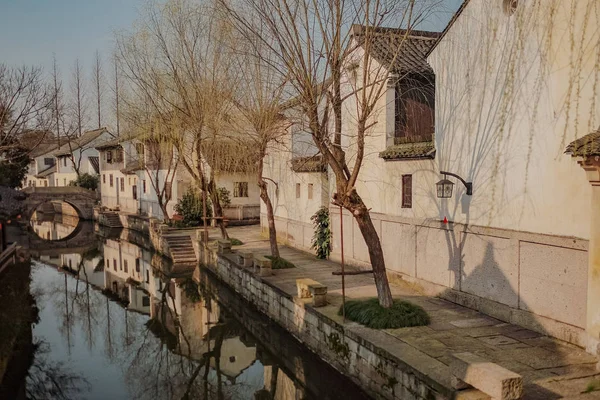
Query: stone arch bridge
82, 200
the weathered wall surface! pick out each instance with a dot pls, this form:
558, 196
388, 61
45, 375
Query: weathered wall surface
379, 373
535, 280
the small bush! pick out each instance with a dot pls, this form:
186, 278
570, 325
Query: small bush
224, 197
401, 314
190, 208
280, 263
86, 181
236, 242
321, 240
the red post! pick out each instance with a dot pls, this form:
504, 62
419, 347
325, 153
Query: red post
343, 273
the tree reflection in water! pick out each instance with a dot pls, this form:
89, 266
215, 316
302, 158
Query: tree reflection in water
49, 379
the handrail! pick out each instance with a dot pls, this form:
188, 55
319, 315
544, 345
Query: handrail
8, 257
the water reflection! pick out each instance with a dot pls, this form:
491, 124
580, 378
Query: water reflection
53, 226
119, 321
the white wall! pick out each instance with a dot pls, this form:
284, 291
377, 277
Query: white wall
511, 93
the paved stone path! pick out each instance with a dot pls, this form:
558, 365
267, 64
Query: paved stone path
551, 369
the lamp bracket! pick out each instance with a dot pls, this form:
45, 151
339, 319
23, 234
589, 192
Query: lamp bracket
468, 185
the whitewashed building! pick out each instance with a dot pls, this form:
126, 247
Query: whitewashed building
120, 161
43, 165
514, 85
79, 154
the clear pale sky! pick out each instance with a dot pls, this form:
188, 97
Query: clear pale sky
31, 30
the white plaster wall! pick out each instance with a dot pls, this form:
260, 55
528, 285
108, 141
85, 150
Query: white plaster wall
227, 181
504, 117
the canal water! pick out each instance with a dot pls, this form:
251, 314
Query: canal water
109, 318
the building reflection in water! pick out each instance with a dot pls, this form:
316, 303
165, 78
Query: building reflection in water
117, 320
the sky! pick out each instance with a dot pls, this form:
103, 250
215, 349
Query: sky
32, 30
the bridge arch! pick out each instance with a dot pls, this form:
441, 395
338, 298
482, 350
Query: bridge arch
82, 200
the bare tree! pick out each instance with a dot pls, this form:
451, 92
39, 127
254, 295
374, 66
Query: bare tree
260, 94
79, 107
174, 60
98, 86
315, 43
25, 103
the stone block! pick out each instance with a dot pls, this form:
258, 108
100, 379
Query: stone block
319, 300
303, 289
262, 265
490, 378
224, 246
553, 282
245, 259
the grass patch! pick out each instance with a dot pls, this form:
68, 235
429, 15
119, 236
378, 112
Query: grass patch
280, 263
592, 386
401, 314
236, 242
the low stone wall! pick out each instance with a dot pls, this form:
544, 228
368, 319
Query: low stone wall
378, 372
291, 233
533, 280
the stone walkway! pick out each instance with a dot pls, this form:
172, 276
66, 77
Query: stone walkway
551, 369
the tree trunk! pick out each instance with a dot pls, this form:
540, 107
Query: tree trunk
217, 210
264, 196
365, 224
354, 203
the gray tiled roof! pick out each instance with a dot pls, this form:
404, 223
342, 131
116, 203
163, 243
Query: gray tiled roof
588, 145
47, 172
79, 142
407, 151
399, 50
309, 164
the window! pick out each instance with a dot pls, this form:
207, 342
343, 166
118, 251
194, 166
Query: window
137, 265
48, 161
297, 190
406, 191
65, 162
119, 155
64, 181
45, 183
134, 192
110, 180
414, 112
103, 178
109, 157
310, 191
125, 266
122, 184
240, 189
139, 149
107, 264
129, 181
70, 263
144, 185
147, 276
114, 264
145, 301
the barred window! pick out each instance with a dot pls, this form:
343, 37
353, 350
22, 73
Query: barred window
406, 191
240, 189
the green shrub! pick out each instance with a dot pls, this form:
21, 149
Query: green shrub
190, 208
280, 263
86, 181
321, 240
224, 197
401, 314
236, 242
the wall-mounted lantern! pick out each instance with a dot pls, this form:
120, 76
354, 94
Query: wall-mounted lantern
445, 186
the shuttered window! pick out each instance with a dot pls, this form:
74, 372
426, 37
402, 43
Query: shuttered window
406, 191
